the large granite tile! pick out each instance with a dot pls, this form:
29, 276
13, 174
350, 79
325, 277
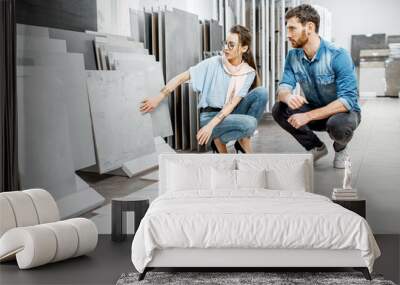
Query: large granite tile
78, 42
137, 24
45, 155
177, 60
41, 44
161, 119
68, 69
121, 132
33, 31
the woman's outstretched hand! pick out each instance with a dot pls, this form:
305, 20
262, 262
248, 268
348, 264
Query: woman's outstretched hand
149, 105
204, 134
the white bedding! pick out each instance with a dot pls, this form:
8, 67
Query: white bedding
251, 218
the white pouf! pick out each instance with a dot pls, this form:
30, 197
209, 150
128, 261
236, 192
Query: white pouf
31, 233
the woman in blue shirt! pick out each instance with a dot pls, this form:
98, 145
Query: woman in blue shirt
230, 104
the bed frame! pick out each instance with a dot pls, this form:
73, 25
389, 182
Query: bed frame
248, 259
262, 259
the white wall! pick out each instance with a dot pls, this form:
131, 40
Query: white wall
361, 17
113, 15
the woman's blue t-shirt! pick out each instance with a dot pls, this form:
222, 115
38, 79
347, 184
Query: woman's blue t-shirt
210, 79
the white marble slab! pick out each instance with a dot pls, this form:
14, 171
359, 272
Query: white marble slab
151, 176
137, 22
121, 132
161, 118
143, 163
69, 71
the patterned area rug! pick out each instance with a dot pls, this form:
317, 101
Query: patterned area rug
243, 278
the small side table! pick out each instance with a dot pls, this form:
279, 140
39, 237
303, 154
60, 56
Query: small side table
119, 207
357, 206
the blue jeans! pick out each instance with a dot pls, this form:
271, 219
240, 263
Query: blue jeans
242, 122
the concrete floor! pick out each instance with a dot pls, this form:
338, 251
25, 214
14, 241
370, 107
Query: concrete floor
376, 168
110, 259
102, 266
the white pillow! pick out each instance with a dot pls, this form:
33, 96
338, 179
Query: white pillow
223, 179
227, 179
251, 178
282, 174
293, 180
182, 177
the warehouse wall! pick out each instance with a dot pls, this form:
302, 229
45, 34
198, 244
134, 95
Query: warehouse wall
377, 17
113, 16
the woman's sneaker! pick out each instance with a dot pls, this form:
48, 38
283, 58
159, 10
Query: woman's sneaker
340, 158
319, 152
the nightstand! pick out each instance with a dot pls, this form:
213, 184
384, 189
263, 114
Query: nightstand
119, 207
357, 206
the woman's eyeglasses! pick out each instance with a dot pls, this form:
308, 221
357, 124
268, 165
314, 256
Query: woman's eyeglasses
228, 45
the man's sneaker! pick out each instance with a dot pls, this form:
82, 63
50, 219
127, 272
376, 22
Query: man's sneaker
340, 158
319, 152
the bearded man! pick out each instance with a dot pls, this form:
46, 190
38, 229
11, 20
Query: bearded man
326, 75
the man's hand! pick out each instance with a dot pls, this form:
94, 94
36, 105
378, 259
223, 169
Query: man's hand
295, 101
299, 120
149, 105
204, 134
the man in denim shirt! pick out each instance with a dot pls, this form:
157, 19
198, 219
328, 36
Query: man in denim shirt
327, 78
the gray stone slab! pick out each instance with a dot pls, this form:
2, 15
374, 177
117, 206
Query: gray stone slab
69, 71
193, 118
80, 202
78, 42
393, 39
45, 155
113, 37
216, 36
161, 40
77, 15
359, 42
148, 31
137, 25
178, 60
41, 44
152, 176
146, 162
125, 60
117, 41
206, 35
121, 132
105, 49
154, 35
33, 31
161, 119
392, 75
178, 118
372, 80
104, 45
185, 109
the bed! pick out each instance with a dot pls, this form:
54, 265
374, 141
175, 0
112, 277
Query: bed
247, 211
